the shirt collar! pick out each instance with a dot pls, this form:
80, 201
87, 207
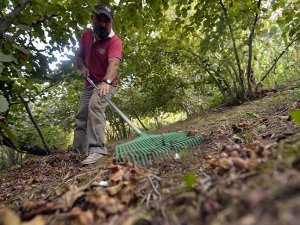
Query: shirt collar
111, 34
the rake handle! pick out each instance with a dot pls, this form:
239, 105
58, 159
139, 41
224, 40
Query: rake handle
137, 130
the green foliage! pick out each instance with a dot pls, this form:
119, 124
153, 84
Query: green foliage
8, 132
184, 153
190, 179
3, 104
296, 116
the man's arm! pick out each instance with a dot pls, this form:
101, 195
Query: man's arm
112, 70
111, 73
79, 60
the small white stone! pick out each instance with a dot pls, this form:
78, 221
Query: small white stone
177, 156
103, 183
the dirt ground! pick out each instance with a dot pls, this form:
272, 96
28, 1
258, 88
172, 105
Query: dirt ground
246, 171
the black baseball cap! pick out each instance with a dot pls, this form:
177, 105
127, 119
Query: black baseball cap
102, 8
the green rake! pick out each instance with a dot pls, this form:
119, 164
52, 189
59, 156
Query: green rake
148, 147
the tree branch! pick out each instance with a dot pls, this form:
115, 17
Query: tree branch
38, 94
35, 124
275, 62
23, 148
44, 18
7, 22
37, 22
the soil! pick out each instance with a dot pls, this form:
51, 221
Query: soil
246, 171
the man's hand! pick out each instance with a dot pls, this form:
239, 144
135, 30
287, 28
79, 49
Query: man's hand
103, 89
84, 71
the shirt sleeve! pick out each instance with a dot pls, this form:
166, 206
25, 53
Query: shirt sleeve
115, 50
81, 50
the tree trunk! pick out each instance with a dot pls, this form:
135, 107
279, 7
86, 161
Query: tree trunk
237, 58
142, 124
23, 148
250, 44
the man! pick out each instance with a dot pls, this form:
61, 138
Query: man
99, 55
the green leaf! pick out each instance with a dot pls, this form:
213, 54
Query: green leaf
24, 50
190, 179
9, 133
18, 72
3, 104
1, 68
253, 114
24, 27
184, 152
296, 116
6, 58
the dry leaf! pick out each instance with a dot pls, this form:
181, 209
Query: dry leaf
225, 163
191, 133
235, 147
234, 154
66, 201
283, 117
113, 190
240, 163
74, 213
86, 218
207, 157
10, 218
220, 131
127, 194
114, 168
118, 176
223, 155
215, 163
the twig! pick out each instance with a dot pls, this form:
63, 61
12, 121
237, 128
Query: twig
153, 186
149, 197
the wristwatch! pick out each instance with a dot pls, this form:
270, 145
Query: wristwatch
108, 81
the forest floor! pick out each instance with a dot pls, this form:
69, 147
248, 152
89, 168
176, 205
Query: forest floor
246, 171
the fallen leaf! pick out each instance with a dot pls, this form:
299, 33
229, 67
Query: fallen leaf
127, 194
114, 168
118, 176
66, 201
113, 190
240, 163
220, 131
104, 202
86, 218
223, 155
9, 217
207, 157
225, 163
191, 133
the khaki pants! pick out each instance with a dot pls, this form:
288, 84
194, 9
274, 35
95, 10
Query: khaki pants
90, 122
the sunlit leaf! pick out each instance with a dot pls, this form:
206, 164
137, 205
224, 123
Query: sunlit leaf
6, 58
3, 104
296, 116
190, 179
24, 50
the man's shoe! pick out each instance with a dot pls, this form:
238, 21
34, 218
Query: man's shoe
92, 158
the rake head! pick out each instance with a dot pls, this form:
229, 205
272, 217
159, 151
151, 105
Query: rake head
148, 147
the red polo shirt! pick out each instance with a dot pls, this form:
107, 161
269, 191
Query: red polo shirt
96, 54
